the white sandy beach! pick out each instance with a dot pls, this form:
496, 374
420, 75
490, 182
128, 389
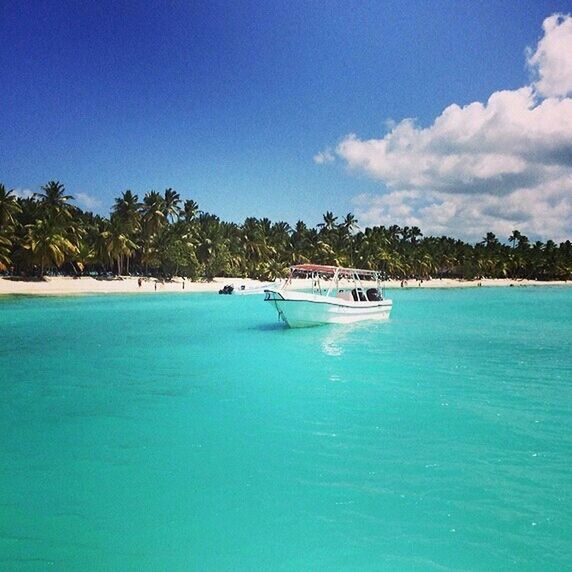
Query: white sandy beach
63, 286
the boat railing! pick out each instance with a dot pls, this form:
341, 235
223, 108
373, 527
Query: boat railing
337, 274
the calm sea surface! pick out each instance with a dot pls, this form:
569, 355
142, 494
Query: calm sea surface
194, 432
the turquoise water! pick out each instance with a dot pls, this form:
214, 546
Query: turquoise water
194, 432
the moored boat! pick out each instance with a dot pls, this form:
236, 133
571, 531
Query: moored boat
246, 290
338, 297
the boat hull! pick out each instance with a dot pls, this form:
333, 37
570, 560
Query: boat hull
301, 310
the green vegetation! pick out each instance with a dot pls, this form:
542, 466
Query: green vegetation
164, 236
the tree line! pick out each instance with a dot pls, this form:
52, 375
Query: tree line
162, 235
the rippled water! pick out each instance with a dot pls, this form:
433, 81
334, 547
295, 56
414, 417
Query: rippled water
194, 432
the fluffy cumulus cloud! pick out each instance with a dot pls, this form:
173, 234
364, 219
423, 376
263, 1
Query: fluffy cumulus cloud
552, 60
498, 165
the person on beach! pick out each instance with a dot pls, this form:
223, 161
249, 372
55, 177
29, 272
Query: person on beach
155, 286
139, 282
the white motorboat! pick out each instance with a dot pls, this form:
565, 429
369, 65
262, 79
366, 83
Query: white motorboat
247, 289
338, 297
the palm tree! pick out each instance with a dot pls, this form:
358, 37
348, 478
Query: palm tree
190, 210
5, 252
127, 208
255, 241
390, 262
153, 218
515, 238
424, 265
9, 211
213, 249
490, 241
176, 248
405, 234
328, 249
47, 244
371, 245
9, 208
236, 264
272, 269
98, 239
118, 243
55, 201
172, 201
301, 243
153, 212
347, 227
329, 223
350, 222
414, 234
84, 255
127, 211
280, 239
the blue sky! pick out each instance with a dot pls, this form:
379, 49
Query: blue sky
229, 102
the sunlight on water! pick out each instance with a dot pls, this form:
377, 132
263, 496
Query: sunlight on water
196, 432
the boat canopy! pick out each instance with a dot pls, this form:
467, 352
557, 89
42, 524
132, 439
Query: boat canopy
332, 270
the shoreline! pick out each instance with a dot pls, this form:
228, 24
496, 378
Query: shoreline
70, 286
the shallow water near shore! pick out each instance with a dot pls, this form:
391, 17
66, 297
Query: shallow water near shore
195, 432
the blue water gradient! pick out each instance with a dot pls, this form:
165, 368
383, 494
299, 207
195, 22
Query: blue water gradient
195, 432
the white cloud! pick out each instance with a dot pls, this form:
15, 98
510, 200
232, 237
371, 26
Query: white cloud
498, 165
510, 142
325, 156
23, 193
545, 212
87, 201
552, 60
